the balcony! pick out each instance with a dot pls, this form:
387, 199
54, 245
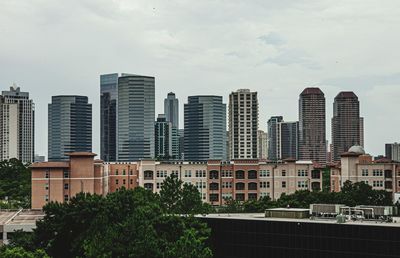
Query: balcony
239, 174
388, 174
148, 186
240, 186
214, 174
214, 186
316, 174
148, 175
252, 186
252, 174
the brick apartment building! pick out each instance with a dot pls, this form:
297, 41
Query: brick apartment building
216, 180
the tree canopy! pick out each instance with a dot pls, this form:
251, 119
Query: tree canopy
126, 223
15, 182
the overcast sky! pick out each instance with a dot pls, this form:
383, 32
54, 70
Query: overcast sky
209, 47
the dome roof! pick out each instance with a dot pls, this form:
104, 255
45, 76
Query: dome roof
357, 149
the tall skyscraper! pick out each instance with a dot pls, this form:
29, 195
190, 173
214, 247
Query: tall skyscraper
345, 123
312, 126
362, 132
108, 116
393, 151
171, 109
135, 117
205, 128
69, 126
163, 139
288, 140
243, 124
262, 144
273, 137
17, 123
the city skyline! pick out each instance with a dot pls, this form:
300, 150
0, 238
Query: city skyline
261, 52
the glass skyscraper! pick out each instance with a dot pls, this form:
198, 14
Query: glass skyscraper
69, 126
108, 116
205, 128
135, 117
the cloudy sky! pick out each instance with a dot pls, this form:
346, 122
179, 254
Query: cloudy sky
194, 47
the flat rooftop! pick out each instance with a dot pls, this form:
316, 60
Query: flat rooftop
19, 217
261, 217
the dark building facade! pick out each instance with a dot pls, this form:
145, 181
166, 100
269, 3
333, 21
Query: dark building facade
135, 119
288, 140
69, 126
312, 126
392, 151
273, 137
254, 238
346, 126
205, 128
163, 138
108, 116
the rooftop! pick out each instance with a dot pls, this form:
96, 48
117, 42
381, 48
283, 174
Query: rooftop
261, 217
50, 164
346, 94
312, 91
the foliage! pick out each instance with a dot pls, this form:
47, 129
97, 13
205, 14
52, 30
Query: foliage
127, 223
351, 195
19, 252
179, 198
15, 181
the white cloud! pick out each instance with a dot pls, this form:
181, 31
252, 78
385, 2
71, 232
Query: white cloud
207, 47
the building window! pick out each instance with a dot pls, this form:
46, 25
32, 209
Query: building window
47, 175
252, 196
252, 186
377, 172
214, 197
252, 174
116, 181
66, 198
46, 198
302, 184
159, 185
123, 181
377, 183
283, 172
66, 174
283, 184
116, 172
264, 194
239, 174
302, 172
66, 186
264, 173
364, 172
46, 186
131, 181
123, 172
131, 172
188, 173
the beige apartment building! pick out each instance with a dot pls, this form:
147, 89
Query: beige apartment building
216, 180
356, 166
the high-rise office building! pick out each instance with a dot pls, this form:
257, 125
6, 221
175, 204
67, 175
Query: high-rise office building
108, 116
205, 128
17, 123
69, 126
392, 151
362, 132
288, 140
312, 126
262, 144
163, 139
273, 137
181, 134
345, 123
171, 109
135, 117
243, 124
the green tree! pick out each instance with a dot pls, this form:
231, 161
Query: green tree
181, 198
19, 252
127, 223
15, 182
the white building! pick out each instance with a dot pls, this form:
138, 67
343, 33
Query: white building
16, 125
